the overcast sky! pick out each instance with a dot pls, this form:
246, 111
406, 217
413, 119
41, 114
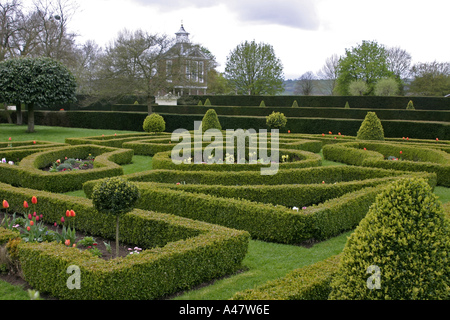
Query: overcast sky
303, 33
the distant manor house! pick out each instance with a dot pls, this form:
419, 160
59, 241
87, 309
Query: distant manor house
187, 66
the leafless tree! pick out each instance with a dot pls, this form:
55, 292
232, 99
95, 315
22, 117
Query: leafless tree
329, 74
10, 14
131, 63
305, 84
399, 62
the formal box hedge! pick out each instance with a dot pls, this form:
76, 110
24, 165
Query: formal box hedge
29, 173
308, 283
178, 253
413, 157
266, 222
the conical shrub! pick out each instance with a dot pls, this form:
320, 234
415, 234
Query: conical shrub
400, 250
410, 105
211, 121
371, 128
295, 104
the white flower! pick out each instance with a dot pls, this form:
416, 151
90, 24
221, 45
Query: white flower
3, 160
10, 162
295, 208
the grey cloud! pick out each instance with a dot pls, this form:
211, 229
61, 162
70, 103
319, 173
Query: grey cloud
292, 13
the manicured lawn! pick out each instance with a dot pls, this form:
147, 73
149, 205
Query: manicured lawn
264, 261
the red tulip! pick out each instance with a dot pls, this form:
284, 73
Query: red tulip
25, 204
31, 223
34, 142
62, 219
67, 242
67, 213
323, 134
72, 213
289, 131
9, 138
33, 200
34, 214
55, 224
365, 149
437, 139
401, 152
339, 133
5, 204
29, 216
41, 216
28, 228
37, 218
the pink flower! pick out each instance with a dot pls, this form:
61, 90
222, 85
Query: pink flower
33, 200
62, 219
28, 228
34, 214
25, 204
29, 216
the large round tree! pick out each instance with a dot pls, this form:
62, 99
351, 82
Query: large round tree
36, 82
254, 69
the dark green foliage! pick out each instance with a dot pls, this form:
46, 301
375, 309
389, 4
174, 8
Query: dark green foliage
406, 236
371, 128
207, 102
115, 196
211, 120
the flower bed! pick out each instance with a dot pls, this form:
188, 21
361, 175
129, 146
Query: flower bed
29, 173
177, 253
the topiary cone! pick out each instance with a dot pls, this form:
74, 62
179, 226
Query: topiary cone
405, 239
211, 121
371, 128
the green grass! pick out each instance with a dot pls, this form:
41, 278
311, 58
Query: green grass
53, 134
264, 261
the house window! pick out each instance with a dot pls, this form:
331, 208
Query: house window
169, 70
200, 72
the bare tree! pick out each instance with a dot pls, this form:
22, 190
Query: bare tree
132, 65
329, 74
10, 14
87, 67
305, 84
399, 62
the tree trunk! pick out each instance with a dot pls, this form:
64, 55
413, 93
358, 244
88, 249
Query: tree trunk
30, 108
19, 112
7, 115
149, 104
117, 236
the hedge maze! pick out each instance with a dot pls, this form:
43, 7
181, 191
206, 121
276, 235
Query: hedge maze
195, 220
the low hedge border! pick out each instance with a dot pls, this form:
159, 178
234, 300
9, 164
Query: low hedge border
179, 253
266, 222
115, 141
308, 283
18, 150
304, 176
150, 147
162, 160
417, 158
28, 173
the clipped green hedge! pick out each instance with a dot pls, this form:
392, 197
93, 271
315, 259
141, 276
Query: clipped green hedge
266, 222
413, 157
6, 235
115, 141
308, 283
28, 173
178, 253
302, 159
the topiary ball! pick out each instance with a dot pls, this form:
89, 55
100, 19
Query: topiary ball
276, 120
211, 121
154, 123
115, 196
371, 128
400, 250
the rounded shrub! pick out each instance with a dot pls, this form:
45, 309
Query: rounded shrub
211, 121
400, 250
276, 120
154, 123
371, 128
115, 196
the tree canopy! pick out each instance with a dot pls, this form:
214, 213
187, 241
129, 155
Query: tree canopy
367, 62
254, 69
36, 82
